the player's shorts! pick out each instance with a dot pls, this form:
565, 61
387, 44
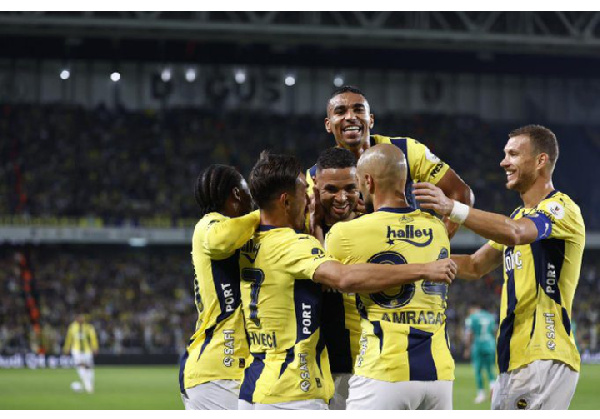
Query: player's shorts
543, 384
84, 358
214, 395
369, 394
338, 402
313, 404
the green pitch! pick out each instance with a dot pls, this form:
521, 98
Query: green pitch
158, 388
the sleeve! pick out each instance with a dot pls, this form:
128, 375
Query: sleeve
68, 339
554, 219
93, 339
304, 256
221, 236
424, 165
310, 173
499, 247
336, 245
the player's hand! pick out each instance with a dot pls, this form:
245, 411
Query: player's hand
433, 198
316, 213
360, 206
442, 270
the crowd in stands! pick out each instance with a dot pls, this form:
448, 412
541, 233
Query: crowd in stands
122, 166
141, 299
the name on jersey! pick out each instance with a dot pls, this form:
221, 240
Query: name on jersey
419, 237
414, 317
265, 339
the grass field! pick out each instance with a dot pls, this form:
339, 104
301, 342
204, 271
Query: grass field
158, 388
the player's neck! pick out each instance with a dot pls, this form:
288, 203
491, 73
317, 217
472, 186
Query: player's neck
393, 199
275, 219
537, 192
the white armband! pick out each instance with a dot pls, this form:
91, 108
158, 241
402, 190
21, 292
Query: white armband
459, 213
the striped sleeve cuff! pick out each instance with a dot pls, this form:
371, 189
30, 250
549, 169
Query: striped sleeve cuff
542, 223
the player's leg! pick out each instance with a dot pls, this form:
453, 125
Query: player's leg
79, 366
313, 404
477, 362
369, 394
542, 384
438, 395
214, 395
88, 361
489, 366
338, 402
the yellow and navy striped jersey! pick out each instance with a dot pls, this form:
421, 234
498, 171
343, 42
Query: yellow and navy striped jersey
342, 321
403, 329
539, 285
282, 307
81, 338
218, 350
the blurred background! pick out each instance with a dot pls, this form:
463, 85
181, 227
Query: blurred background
106, 119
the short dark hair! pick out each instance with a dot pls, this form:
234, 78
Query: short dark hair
213, 186
542, 139
345, 89
335, 158
272, 175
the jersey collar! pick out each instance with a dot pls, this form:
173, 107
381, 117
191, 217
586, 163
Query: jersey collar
267, 227
405, 210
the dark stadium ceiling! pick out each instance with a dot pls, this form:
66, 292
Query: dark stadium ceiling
309, 38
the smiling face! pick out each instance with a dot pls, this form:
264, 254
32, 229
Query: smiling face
519, 163
349, 120
339, 193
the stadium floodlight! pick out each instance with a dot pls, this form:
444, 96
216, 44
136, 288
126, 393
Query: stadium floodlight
290, 80
190, 75
165, 75
240, 76
116, 76
65, 74
338, 81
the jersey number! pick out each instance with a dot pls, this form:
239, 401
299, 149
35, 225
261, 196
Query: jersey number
406, 292
256, 277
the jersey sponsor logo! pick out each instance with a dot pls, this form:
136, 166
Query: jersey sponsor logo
419, 237
550, 279
265, 339
228, 347
438, 167
306, 319
512, 260
550, 331
557, 210
414, 317
229, 298
250, 250
304, 372
430, 156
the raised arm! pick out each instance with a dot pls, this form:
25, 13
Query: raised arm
482, 262
455, 188
367, 277
496, 227
225, 236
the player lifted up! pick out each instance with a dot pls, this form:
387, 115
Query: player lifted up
213, 365
350, 120
281, 271
541, 246
404, 360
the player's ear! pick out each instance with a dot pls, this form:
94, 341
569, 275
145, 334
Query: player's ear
542, 159
284, 200
236, 193
328, 125
372, 123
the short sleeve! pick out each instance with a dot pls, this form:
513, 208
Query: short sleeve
336, 245
304, 256
497, 246
424, 165
558, 215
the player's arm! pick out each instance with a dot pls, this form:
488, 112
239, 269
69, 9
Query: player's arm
93, 340
455, 188
68, 340
427, 167
496, 227
225, 236
368, 278
482, 262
